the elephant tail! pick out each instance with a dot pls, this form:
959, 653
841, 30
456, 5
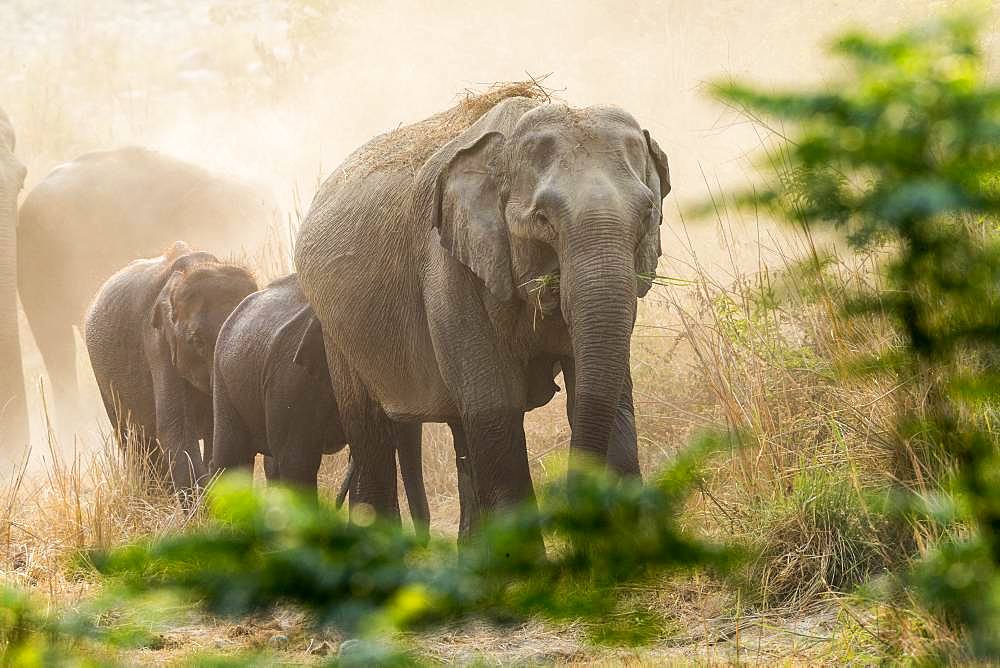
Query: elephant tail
345, 486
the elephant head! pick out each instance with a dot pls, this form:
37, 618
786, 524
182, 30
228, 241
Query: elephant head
541, 189
189, 312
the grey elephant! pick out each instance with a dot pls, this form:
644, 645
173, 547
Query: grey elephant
13, 414
272, 394
151, 335
431, 257
88, 218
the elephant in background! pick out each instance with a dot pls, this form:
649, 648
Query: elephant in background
426, 255
13, 412
88, 218
151, 335
272, 394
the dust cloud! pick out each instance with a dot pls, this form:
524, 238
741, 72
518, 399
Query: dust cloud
280, 92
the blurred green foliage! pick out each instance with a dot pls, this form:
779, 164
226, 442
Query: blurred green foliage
270, 546
902, 155
90, 635
369, 578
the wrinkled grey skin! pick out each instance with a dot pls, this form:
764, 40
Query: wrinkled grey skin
421, 277
88, 218
151, 335
272, 394
13, 414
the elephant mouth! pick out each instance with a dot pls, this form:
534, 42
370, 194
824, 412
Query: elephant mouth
542, 294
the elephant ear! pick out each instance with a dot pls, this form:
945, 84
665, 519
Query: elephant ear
466, 213
660, 164
311, 353
658, 181
163, 309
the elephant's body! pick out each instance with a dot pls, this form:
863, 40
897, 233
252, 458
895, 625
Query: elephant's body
91, 216
266, 402
141, 332
273, 394
13, 413
420, 253
373, 266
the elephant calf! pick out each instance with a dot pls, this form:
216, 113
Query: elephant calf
273, 395
151, 333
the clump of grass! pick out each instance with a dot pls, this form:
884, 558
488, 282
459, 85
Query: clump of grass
816, 535
818, 444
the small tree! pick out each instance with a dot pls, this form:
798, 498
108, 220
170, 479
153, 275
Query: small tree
902, 156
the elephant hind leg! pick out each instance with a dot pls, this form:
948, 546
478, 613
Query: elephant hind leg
468, 501
57, 344
410, 455
373, 438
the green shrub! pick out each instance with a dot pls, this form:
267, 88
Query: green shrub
273, 546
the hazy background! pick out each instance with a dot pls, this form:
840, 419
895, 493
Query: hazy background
280, 92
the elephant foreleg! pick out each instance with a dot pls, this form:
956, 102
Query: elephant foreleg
231, 441
300, 469
177, 427
498, 455
296, 449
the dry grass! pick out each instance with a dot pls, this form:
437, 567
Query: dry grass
412, 145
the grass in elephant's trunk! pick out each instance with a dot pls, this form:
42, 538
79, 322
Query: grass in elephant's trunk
543, 290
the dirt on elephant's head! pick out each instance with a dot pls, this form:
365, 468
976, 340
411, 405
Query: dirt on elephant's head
412, 145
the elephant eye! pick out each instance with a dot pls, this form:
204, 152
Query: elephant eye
544, 225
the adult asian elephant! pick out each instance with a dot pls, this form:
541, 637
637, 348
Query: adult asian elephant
430, 256
151, 335
272, 394
90, 217
13, 414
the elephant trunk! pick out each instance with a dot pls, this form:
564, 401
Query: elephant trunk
598, 302
13, 413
